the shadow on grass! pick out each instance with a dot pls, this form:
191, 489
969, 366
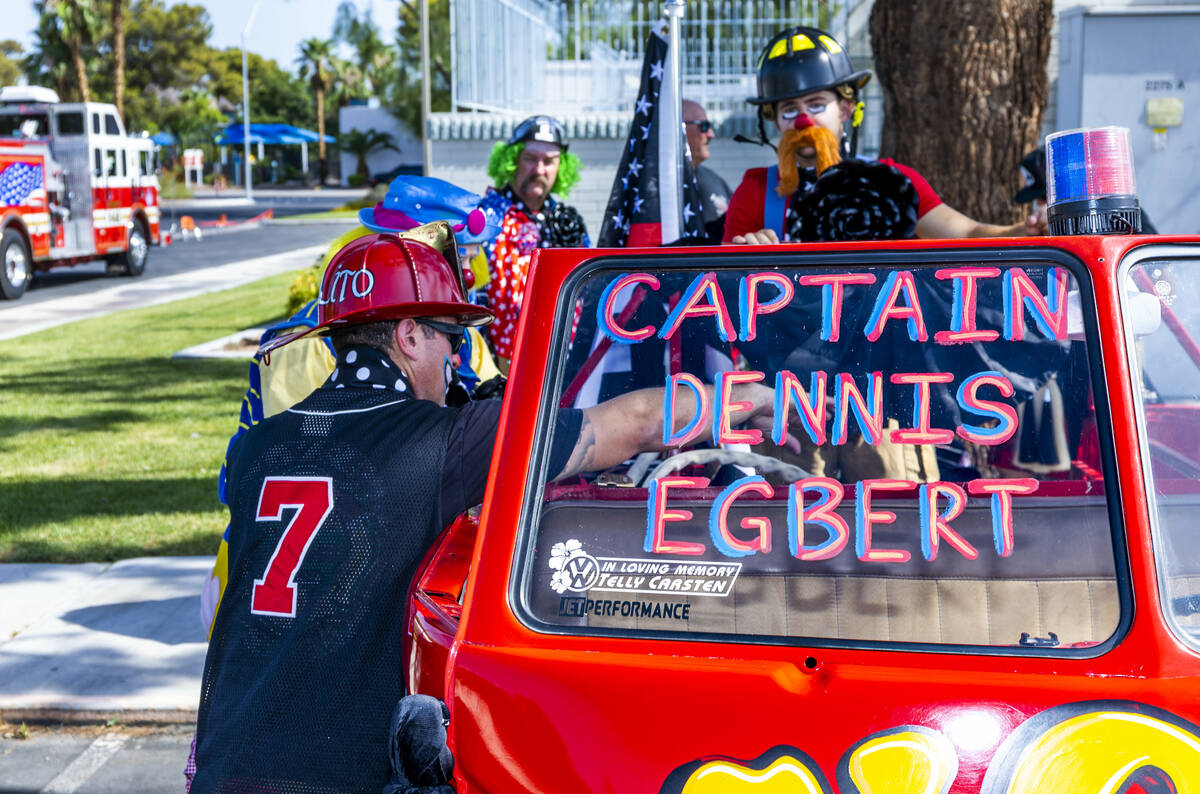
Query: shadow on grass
27, 503
23, 550
164, 376
109, 395
98, 420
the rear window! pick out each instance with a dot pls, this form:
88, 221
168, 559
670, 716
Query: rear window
932, 472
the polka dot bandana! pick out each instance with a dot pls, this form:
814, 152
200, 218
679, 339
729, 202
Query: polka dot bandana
363, 367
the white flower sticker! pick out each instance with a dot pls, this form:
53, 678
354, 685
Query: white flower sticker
574, 568
560, 582
561, 552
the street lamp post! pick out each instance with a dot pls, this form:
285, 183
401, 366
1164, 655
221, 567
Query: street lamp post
426, 103
246, 103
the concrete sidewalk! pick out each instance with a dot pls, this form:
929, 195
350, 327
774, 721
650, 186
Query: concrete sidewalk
96, 641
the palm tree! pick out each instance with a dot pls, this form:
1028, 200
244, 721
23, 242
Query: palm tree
77, 22
118, 44
375, 59
361, 144
317, 66
348, 82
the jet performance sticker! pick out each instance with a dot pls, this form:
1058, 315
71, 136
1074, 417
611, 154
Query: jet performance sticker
576, 571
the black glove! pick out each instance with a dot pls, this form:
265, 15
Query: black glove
490, 389
421, 761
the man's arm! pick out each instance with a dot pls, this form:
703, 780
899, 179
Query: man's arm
945, 222
617, 429
745, 213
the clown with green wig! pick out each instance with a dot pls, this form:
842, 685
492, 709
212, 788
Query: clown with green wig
525, 170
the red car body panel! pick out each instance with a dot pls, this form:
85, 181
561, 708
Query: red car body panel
556, 712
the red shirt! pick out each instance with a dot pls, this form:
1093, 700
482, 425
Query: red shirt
745, 212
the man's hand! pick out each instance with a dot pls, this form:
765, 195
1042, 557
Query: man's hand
760, 237
762, 415
1036, 224
617, 429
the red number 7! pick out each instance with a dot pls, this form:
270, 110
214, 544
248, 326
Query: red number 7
312, 497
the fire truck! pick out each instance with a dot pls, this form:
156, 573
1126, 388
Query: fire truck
73, 188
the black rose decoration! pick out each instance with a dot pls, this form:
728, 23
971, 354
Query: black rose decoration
563, 228
859, 200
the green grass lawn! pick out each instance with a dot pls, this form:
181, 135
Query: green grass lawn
338, 214
110, 449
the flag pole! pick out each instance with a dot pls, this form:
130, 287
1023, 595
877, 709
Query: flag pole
670, 162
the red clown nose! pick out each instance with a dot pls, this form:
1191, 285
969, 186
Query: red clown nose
803, 121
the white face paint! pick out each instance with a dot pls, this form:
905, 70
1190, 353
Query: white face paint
449, 374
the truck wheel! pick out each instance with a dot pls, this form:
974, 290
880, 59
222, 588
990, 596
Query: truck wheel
132, 261
16, 265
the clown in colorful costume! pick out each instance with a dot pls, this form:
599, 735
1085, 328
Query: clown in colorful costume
805, 72
525, 170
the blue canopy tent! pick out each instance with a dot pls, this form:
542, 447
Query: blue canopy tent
235, 135
164, 139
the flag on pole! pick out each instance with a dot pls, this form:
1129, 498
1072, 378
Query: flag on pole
634, 216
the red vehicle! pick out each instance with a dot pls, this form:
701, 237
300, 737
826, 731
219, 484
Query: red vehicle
73, 188
978, 574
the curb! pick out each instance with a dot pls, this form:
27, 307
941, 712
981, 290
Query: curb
61, 716
206, 203
216, 231
309, 221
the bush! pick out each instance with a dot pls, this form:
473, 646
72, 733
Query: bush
356, 180
303, 289
170, 186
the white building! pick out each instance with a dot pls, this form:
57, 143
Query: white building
580, 60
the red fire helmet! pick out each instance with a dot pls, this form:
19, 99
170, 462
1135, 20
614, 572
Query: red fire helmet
389, 277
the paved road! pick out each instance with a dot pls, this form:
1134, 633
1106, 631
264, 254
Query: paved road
183, 256
234, 207
94, 760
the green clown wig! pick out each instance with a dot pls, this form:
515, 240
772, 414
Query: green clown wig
502, 165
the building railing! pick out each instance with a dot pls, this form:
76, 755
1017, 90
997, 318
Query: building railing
572, 57
586, 55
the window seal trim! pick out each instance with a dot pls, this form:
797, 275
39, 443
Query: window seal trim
535, 483
1132, 259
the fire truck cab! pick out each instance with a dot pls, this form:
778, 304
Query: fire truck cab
73, 188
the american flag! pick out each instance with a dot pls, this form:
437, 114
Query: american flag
17, 182
633, 217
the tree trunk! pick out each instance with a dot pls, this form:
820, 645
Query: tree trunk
118, 30
81, 78
964, 89
321, 172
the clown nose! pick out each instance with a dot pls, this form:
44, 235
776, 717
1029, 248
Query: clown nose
803, 121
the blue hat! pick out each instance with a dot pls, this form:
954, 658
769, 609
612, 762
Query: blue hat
412, 201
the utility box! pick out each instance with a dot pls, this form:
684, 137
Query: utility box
1140, 68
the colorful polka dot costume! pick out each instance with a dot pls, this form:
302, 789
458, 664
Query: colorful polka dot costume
522, 232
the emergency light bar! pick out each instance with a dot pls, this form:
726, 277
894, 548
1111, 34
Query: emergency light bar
1090, 187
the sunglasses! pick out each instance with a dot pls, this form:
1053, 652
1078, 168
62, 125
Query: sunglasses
455, 334
704, 125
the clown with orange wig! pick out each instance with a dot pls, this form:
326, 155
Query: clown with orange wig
808, 89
